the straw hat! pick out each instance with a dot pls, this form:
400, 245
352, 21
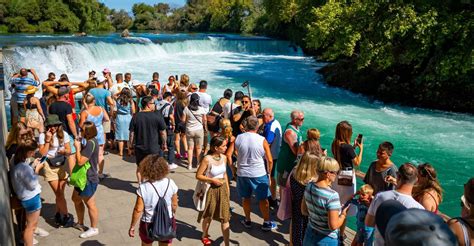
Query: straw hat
30, 90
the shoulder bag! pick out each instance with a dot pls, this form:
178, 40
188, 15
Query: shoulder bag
79, 173
200, 192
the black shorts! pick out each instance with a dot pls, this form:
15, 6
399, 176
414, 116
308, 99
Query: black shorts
139, 156
180, 128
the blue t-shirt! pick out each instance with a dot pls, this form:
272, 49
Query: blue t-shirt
21, 84
100, 95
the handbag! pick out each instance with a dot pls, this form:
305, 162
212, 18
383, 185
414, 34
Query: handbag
200, 192
284, 211
345, 178
79, 173
57, 161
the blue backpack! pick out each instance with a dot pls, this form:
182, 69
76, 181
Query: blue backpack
161, 227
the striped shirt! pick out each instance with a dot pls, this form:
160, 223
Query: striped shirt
21, 84
319, 201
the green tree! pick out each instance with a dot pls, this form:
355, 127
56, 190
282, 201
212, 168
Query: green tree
120, 19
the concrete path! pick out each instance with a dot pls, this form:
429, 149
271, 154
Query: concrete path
115, 199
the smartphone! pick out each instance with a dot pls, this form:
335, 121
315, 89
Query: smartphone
28, 70
359, 138
346, 204
176, 77
43, 159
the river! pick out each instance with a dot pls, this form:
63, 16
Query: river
281, 76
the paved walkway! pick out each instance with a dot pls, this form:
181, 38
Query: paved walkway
115, 200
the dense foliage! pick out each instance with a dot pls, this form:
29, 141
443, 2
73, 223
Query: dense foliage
414, 52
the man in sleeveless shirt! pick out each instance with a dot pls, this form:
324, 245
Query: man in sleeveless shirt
292, 138
252, 149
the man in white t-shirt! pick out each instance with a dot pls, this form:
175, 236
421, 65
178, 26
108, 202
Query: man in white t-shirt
205, 100
407, 177
117, 88
252, 176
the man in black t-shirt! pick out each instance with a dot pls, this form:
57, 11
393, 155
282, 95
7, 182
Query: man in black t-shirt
147, 132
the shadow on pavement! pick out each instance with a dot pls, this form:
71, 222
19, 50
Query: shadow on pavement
186, 199
48, 210
92, 243
185, 230
118, 184
270, 237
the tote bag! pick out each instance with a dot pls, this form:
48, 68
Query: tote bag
79, 173
200, 192
284, 210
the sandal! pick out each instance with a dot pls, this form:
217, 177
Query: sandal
206, 241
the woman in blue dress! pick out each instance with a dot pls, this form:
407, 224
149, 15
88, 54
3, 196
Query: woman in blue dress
125, 110
96, 115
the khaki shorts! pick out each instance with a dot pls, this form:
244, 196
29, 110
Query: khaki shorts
195, 138
54, 173
106, 126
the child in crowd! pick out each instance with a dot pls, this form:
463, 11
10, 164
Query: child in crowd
382, 173
364, 235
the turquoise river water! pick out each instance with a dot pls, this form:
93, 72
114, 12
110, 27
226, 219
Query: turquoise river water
281, 76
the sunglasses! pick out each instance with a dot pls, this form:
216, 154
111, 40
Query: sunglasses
300, 119
194, 89
245, 102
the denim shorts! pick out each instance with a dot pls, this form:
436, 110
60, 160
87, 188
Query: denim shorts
88, 191
71, 144
312, 237
32, 205
260, 185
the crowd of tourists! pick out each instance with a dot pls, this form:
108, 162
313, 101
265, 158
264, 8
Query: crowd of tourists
236, 138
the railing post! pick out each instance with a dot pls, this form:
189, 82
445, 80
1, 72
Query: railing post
7, 236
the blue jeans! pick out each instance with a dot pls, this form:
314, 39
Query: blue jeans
312, 238
169, 155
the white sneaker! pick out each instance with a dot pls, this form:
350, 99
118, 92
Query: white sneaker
41, 232
173, 166
90, 233
35, 241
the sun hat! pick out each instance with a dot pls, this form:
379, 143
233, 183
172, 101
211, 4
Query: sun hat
30, 90
52, 119
418, 227
63, 90
385, 212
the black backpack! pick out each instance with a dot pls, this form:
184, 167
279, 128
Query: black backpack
161, 227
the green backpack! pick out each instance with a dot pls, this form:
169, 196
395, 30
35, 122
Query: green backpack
79, 173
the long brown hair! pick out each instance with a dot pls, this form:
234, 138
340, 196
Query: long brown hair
343, 136
125, 97
14, 136
427, 171
25, 146
182, 98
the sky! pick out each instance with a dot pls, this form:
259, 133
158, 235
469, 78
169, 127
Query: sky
127, 4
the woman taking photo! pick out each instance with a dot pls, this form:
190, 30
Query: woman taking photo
54, 144
125, 110
89, 152
428, 191
195, 118
322, 206
154, 171
180, 130
347, 158
212, 169
24, 176
97, 115
303, 173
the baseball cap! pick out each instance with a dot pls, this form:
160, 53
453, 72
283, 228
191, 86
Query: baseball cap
418, 227
385, 212
63, 90
106, 70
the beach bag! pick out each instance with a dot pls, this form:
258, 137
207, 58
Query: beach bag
200, 193
79, 174
345, 178
284, 210
162, 227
